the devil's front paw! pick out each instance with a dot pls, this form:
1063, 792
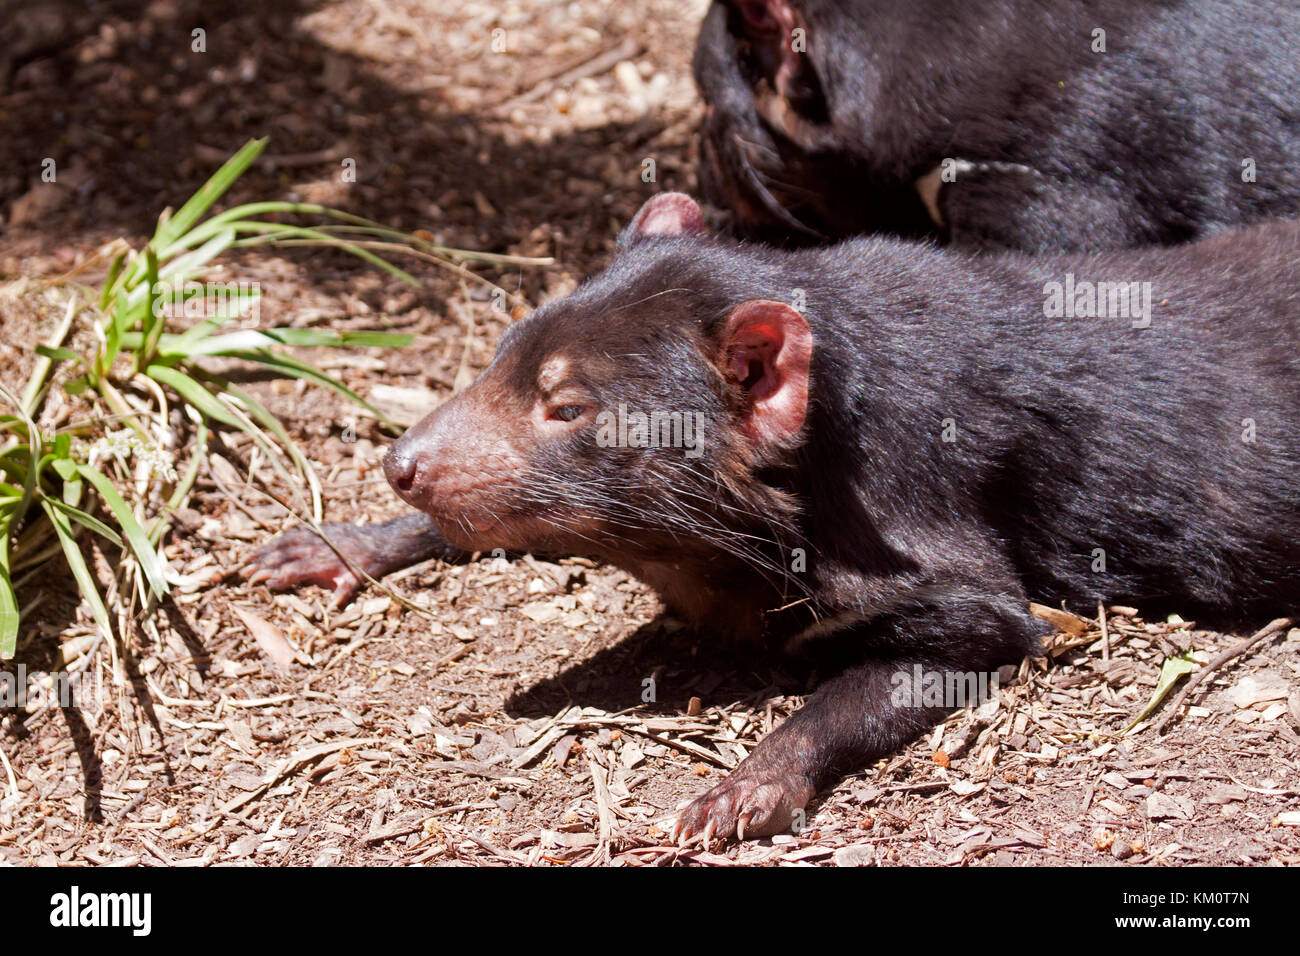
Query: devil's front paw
748, 803
300, 557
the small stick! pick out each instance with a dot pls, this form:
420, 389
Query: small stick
9, 772
495, 851
1268, 630
1087, 798
605, 816
1105, 633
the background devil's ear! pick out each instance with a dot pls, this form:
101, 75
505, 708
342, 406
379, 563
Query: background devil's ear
777, 52
666, 214
766, 16
767, 351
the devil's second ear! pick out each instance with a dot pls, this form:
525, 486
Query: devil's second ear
767, 353
766, 16
667, 214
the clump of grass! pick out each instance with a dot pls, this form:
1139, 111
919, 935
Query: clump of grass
113, 473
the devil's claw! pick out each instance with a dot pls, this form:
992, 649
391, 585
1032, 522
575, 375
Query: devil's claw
746, 804
300, 557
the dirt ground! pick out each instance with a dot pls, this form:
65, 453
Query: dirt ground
506, 725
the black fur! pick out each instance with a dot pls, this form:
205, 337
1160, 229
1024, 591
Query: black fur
1074, 149
962, 454
1071, 435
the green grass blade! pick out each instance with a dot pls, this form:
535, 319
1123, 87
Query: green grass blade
77, 565
8, 600
183, 487
333, 339
208, 404
8, 617
150, 563
196, 261
188, 342
151, 322
190, 213
302, 236
194, 393
296, 368
119, 320
28, 464
272, 232
272, 425
1174, 668
59, 354
246, 340
87, 520
182, 269
247, 213
110, 281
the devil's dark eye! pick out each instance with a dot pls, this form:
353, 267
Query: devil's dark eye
567, 413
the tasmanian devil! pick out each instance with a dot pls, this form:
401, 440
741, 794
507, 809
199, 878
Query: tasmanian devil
888, 446
1025, 124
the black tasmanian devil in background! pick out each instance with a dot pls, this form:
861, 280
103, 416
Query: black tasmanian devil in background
897, 446
830, 118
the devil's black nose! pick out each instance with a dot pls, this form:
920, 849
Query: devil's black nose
399, 468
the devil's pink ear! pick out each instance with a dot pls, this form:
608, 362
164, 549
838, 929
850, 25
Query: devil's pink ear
767, 16
767, 351
667, 214
770, 26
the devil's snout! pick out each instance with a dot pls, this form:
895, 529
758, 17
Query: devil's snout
400, 466
418, 462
